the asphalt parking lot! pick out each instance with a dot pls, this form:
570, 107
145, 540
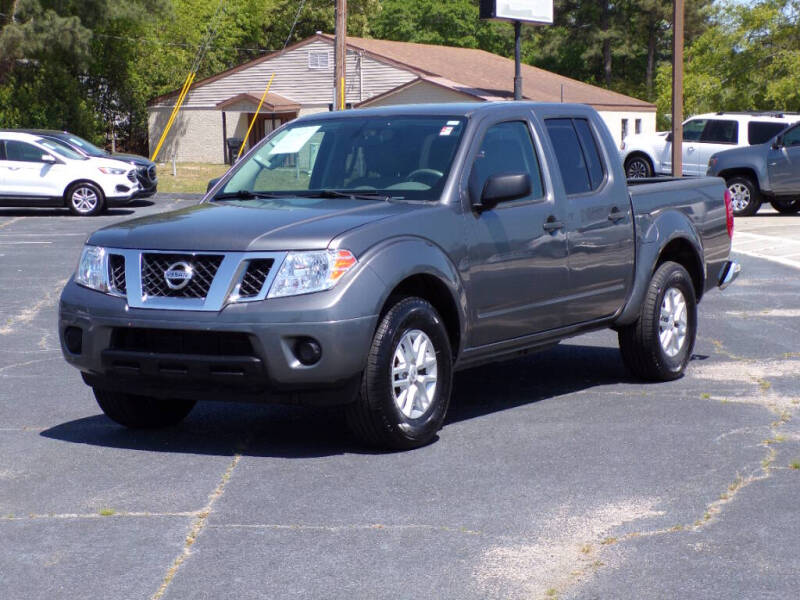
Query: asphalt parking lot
555, 476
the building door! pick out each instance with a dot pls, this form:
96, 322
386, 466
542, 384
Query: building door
265, 124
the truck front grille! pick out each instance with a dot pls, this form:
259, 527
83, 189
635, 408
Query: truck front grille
116, 273
157, 283
254, 277
178, 341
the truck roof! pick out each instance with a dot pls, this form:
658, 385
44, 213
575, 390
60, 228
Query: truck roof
462, 109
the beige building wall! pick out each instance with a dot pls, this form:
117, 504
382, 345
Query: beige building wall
195, 136
615, 119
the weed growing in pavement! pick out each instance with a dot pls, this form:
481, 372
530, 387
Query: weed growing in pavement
107, 512
795, 464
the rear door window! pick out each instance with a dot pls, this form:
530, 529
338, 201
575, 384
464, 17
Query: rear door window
577, 154
760, 132
2, 150
718, 131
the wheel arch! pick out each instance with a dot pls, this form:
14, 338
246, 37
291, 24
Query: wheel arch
639, 154
72, 184
415, 267
748, 172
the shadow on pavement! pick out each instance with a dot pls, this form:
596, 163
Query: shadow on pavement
219, 428
64, 212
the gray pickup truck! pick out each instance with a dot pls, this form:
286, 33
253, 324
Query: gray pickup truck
360, 258
769, 171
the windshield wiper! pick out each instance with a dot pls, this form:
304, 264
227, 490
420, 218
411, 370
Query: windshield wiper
352, 195
245, 195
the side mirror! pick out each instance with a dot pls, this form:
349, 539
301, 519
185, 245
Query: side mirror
49, 159
777, 143
502, 188
669, 137
212, 183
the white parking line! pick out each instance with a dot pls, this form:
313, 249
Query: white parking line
769, 247
21, 243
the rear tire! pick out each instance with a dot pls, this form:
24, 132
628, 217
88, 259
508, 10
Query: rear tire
405, 388
85, 199
142, 412
786, 206
658, 346
638, 166
745, 197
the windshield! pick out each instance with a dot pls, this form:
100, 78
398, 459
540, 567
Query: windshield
401, 157
61, 148
86, 146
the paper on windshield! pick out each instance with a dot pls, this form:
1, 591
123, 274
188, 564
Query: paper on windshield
294, 140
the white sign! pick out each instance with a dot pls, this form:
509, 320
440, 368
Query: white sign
530, 11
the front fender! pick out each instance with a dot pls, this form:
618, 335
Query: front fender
395, 260
656, 235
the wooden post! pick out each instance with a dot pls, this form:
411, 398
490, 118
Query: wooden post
677, 88
340, 67
224, 138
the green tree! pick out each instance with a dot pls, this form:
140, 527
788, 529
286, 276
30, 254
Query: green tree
748, 60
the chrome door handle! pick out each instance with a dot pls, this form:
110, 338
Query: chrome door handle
551, 225
690, 149
14, 168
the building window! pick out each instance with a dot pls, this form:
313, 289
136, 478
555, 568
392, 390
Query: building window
318, 60
624, 131
638, 126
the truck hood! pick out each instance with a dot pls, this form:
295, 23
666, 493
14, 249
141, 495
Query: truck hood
250, 225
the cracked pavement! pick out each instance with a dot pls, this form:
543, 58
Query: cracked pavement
556, 475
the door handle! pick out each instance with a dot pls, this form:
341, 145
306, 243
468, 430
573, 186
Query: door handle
690, 149
616, 215
14, 168
551, 224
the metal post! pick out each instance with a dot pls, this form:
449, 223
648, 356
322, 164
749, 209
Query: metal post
677, 89
224, 139
517, 67
339, 73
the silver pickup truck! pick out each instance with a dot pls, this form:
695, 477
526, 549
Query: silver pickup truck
361, 258
769, 171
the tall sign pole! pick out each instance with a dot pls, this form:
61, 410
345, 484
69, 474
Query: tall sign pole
340, 67
677, 88
538, 12
517, 67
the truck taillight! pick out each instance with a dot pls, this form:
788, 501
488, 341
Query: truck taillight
729, 213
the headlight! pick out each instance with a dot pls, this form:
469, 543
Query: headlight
93, 268
112, 171
307, 272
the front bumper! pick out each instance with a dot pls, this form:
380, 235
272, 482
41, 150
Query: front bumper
266, 370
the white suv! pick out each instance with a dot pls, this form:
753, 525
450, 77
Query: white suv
35, 171
703, 135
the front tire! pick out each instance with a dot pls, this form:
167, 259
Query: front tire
142, 412
405, 388
638, 167
786, 206
85, 199
745, 197
658, 346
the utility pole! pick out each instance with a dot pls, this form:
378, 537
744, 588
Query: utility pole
340, 67
517, 68
677, 88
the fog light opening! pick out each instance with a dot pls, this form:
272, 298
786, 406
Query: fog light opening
307, 351
73, 339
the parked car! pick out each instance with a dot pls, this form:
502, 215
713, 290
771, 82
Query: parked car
145, 168
703, 135
424, 239
36, 171
769, 171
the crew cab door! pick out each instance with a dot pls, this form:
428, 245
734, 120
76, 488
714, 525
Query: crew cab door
599, 225
517, 250
783, 164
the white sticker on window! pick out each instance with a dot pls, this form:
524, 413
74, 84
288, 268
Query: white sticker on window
453, 122
446, 131
294, 140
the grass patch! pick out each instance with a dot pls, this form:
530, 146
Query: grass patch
705, 395
107, 512
795, 464
190, 178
